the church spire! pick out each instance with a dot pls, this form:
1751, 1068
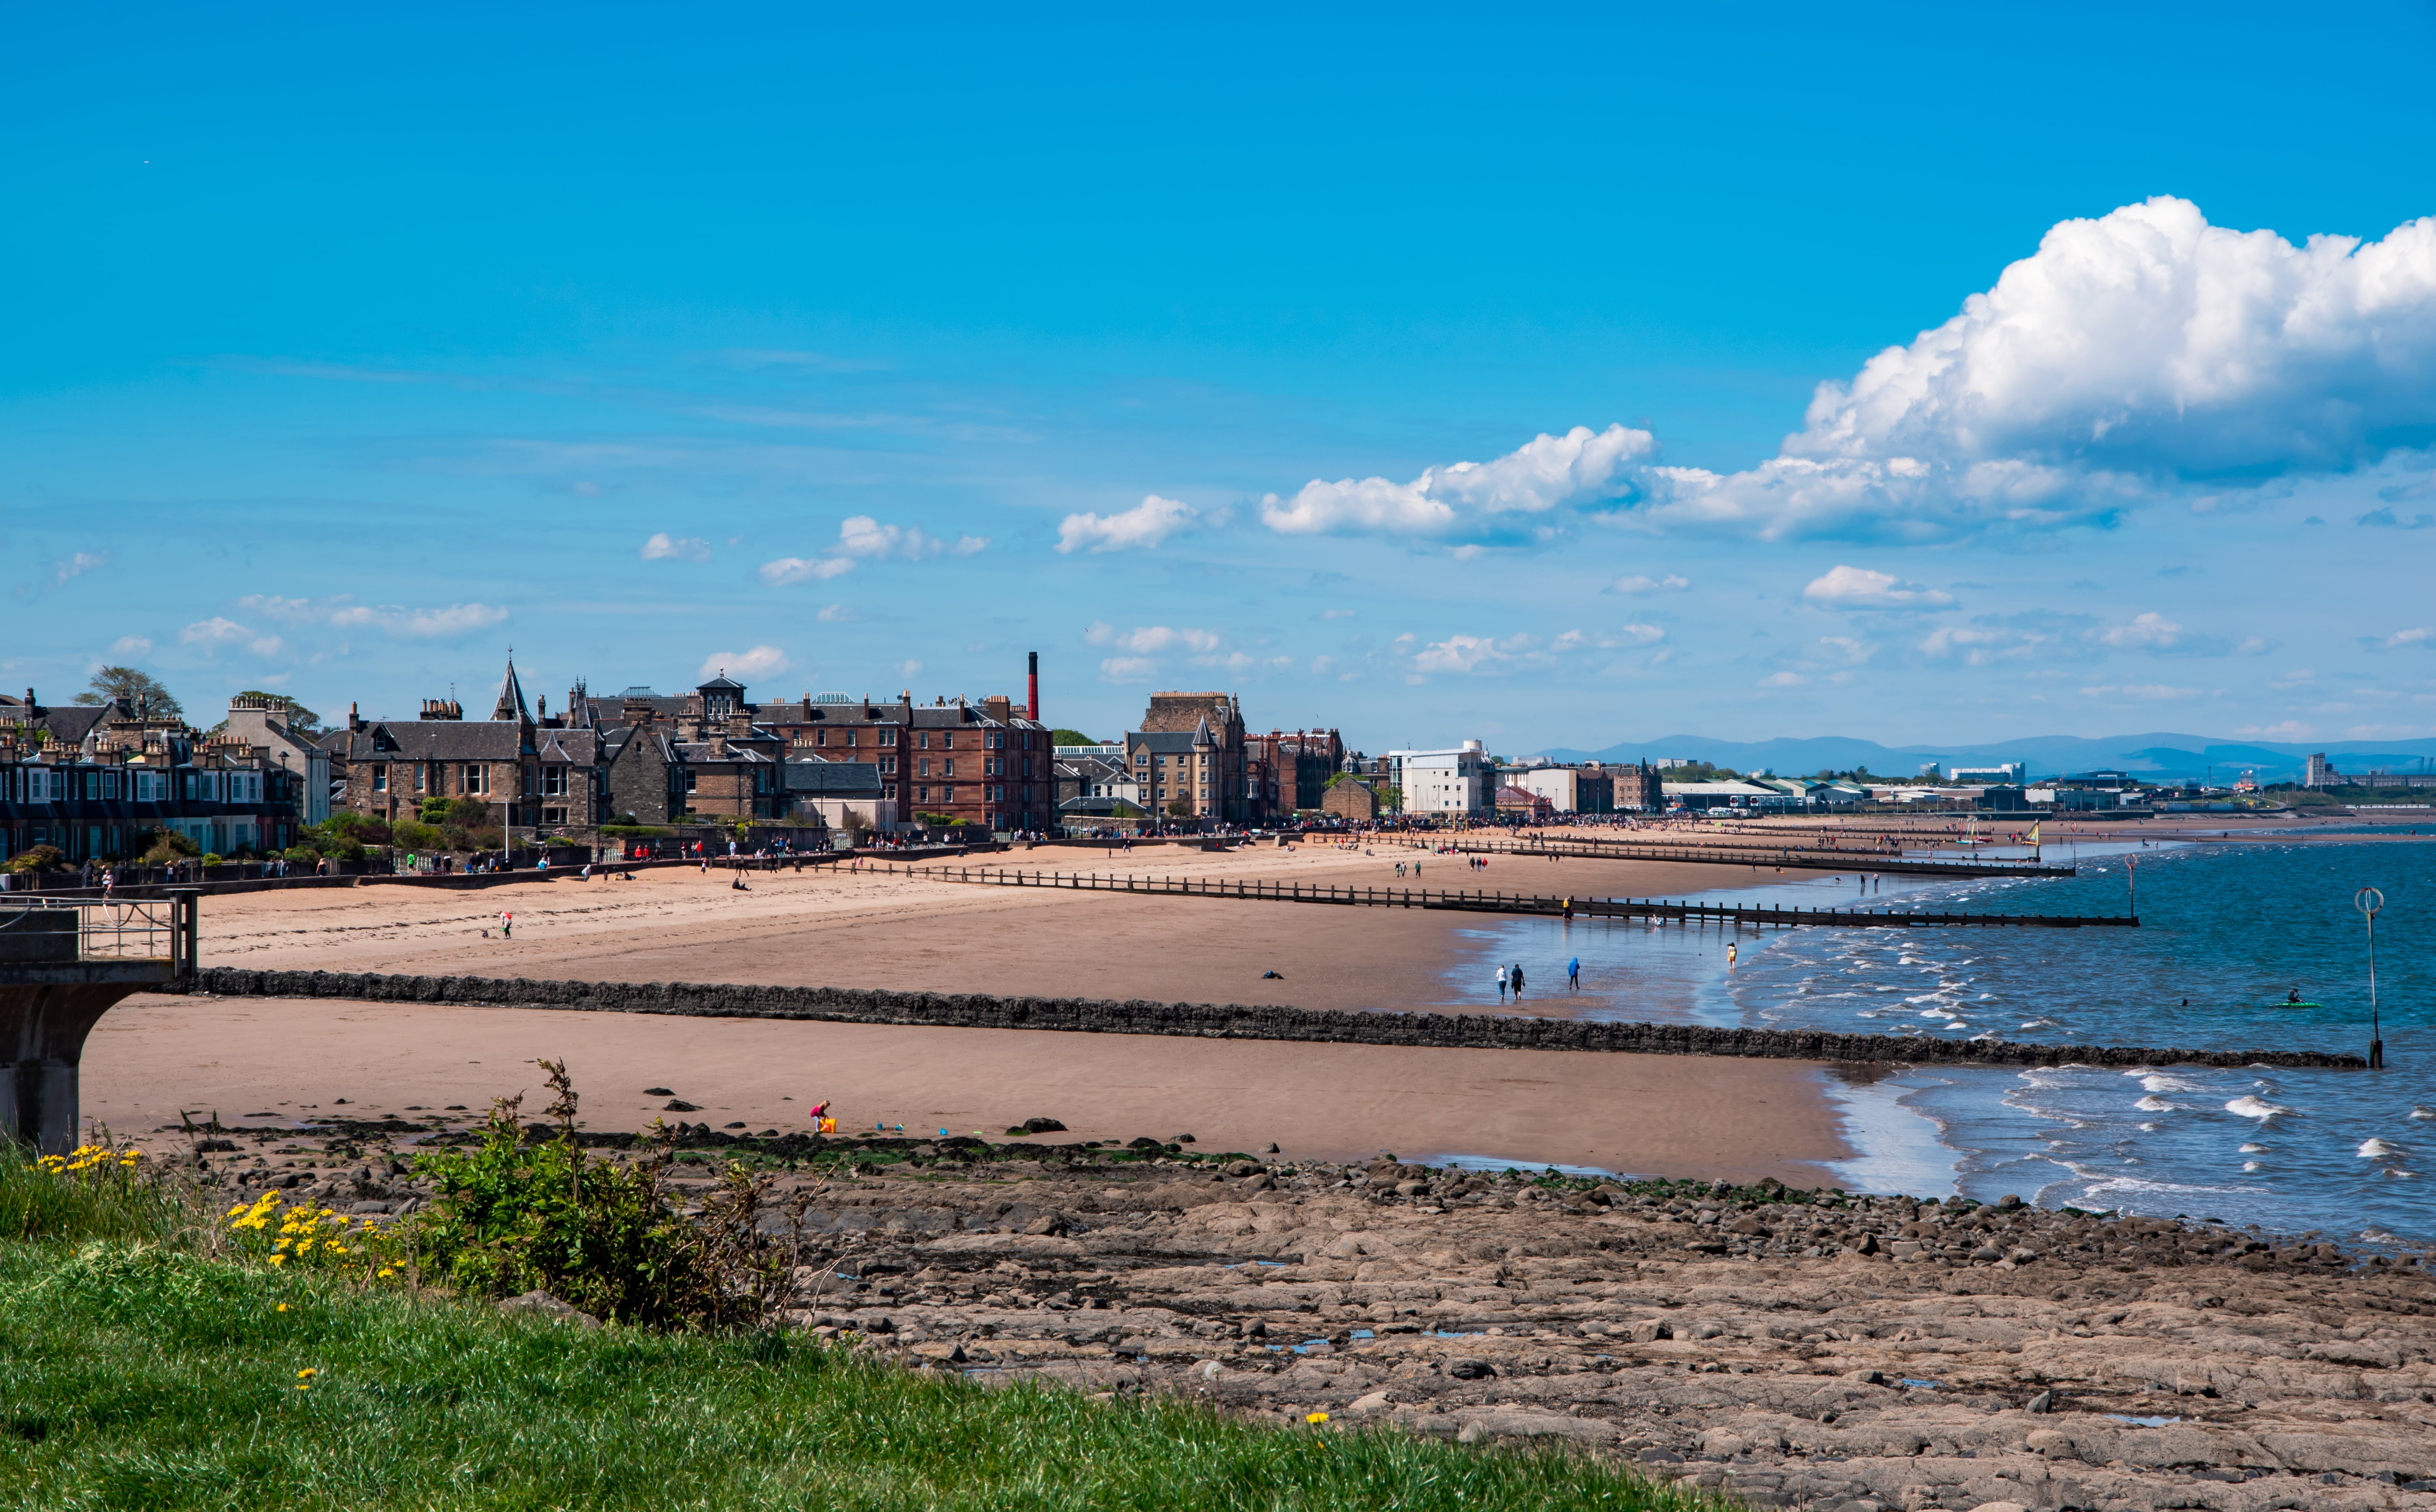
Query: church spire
511, 695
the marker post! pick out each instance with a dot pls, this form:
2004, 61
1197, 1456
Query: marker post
2369, 900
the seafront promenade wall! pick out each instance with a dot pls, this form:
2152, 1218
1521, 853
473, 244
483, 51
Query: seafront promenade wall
858, 1005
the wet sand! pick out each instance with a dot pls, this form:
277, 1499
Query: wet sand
154, 1057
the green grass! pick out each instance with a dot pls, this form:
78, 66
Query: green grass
141, 1377
106, 1204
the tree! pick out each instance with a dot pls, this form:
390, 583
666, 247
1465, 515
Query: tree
1070, 737
138, 691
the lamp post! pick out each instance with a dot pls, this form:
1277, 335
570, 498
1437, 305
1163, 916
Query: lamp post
2369, 900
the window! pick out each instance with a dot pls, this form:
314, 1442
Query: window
821, 736
922, 767
1141, 759
922, 739
380, 780
888, 789
888, 765
948, 768
690, 779
422, 768
948, 740
554, 782
921, 795
946, 796
886, 737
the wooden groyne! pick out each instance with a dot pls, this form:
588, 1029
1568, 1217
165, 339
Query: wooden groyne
1480, 901
868, 1005
1743, 853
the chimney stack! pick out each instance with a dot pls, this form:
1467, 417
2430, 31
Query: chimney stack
1033, 697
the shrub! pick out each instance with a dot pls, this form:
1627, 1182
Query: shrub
39, 858
512, 1215
213, 858
168, 846
467, 812
345, 828
407, 834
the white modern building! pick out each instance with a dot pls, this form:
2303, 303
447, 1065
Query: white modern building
1458, 782
2012, 772
1560, 786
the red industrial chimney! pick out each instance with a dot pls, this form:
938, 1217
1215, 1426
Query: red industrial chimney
1032, 711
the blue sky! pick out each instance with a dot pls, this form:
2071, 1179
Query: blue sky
866, 353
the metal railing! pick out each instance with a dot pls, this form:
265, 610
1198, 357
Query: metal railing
37, 931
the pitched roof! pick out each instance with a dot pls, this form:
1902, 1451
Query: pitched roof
511, 702
834, 778
438, 741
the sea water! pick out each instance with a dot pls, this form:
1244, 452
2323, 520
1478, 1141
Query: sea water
2227, 931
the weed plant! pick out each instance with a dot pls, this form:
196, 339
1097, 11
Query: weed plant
93, 1192
140, 1377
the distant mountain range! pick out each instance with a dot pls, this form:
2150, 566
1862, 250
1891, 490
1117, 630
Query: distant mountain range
2154, 755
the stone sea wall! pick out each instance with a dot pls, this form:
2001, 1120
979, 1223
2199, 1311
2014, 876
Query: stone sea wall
1206, 1020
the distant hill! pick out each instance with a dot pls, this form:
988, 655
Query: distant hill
2156, 754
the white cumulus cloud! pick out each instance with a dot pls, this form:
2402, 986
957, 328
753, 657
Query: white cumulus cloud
1149, 640
1524, 486
761, 661
1641, 586
444, 623
660, 548
803, 569
1850, 587
216, 631
2401, 639
1145, 525
2150, 630
862, 538
75, 566
2128, 353
131, 645
1476, 654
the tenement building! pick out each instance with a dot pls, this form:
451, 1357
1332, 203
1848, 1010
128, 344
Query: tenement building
1300, 765
104, 796
1189, 758
528, 773
983, 763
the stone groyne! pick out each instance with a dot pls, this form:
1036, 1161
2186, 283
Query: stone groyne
860, 1005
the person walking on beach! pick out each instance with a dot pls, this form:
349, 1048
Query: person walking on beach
507, 923
1574, 974
1518, 981
1501, 983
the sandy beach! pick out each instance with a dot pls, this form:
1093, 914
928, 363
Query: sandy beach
154, 1057
825, 928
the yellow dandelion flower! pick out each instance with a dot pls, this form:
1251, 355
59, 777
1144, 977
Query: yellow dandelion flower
307, 1373
1315, 1417
389, 1270
278, 1260
283, 1306
304, 1386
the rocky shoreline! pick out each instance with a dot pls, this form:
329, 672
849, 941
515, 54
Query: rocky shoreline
1787, 1347
1212, 1020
